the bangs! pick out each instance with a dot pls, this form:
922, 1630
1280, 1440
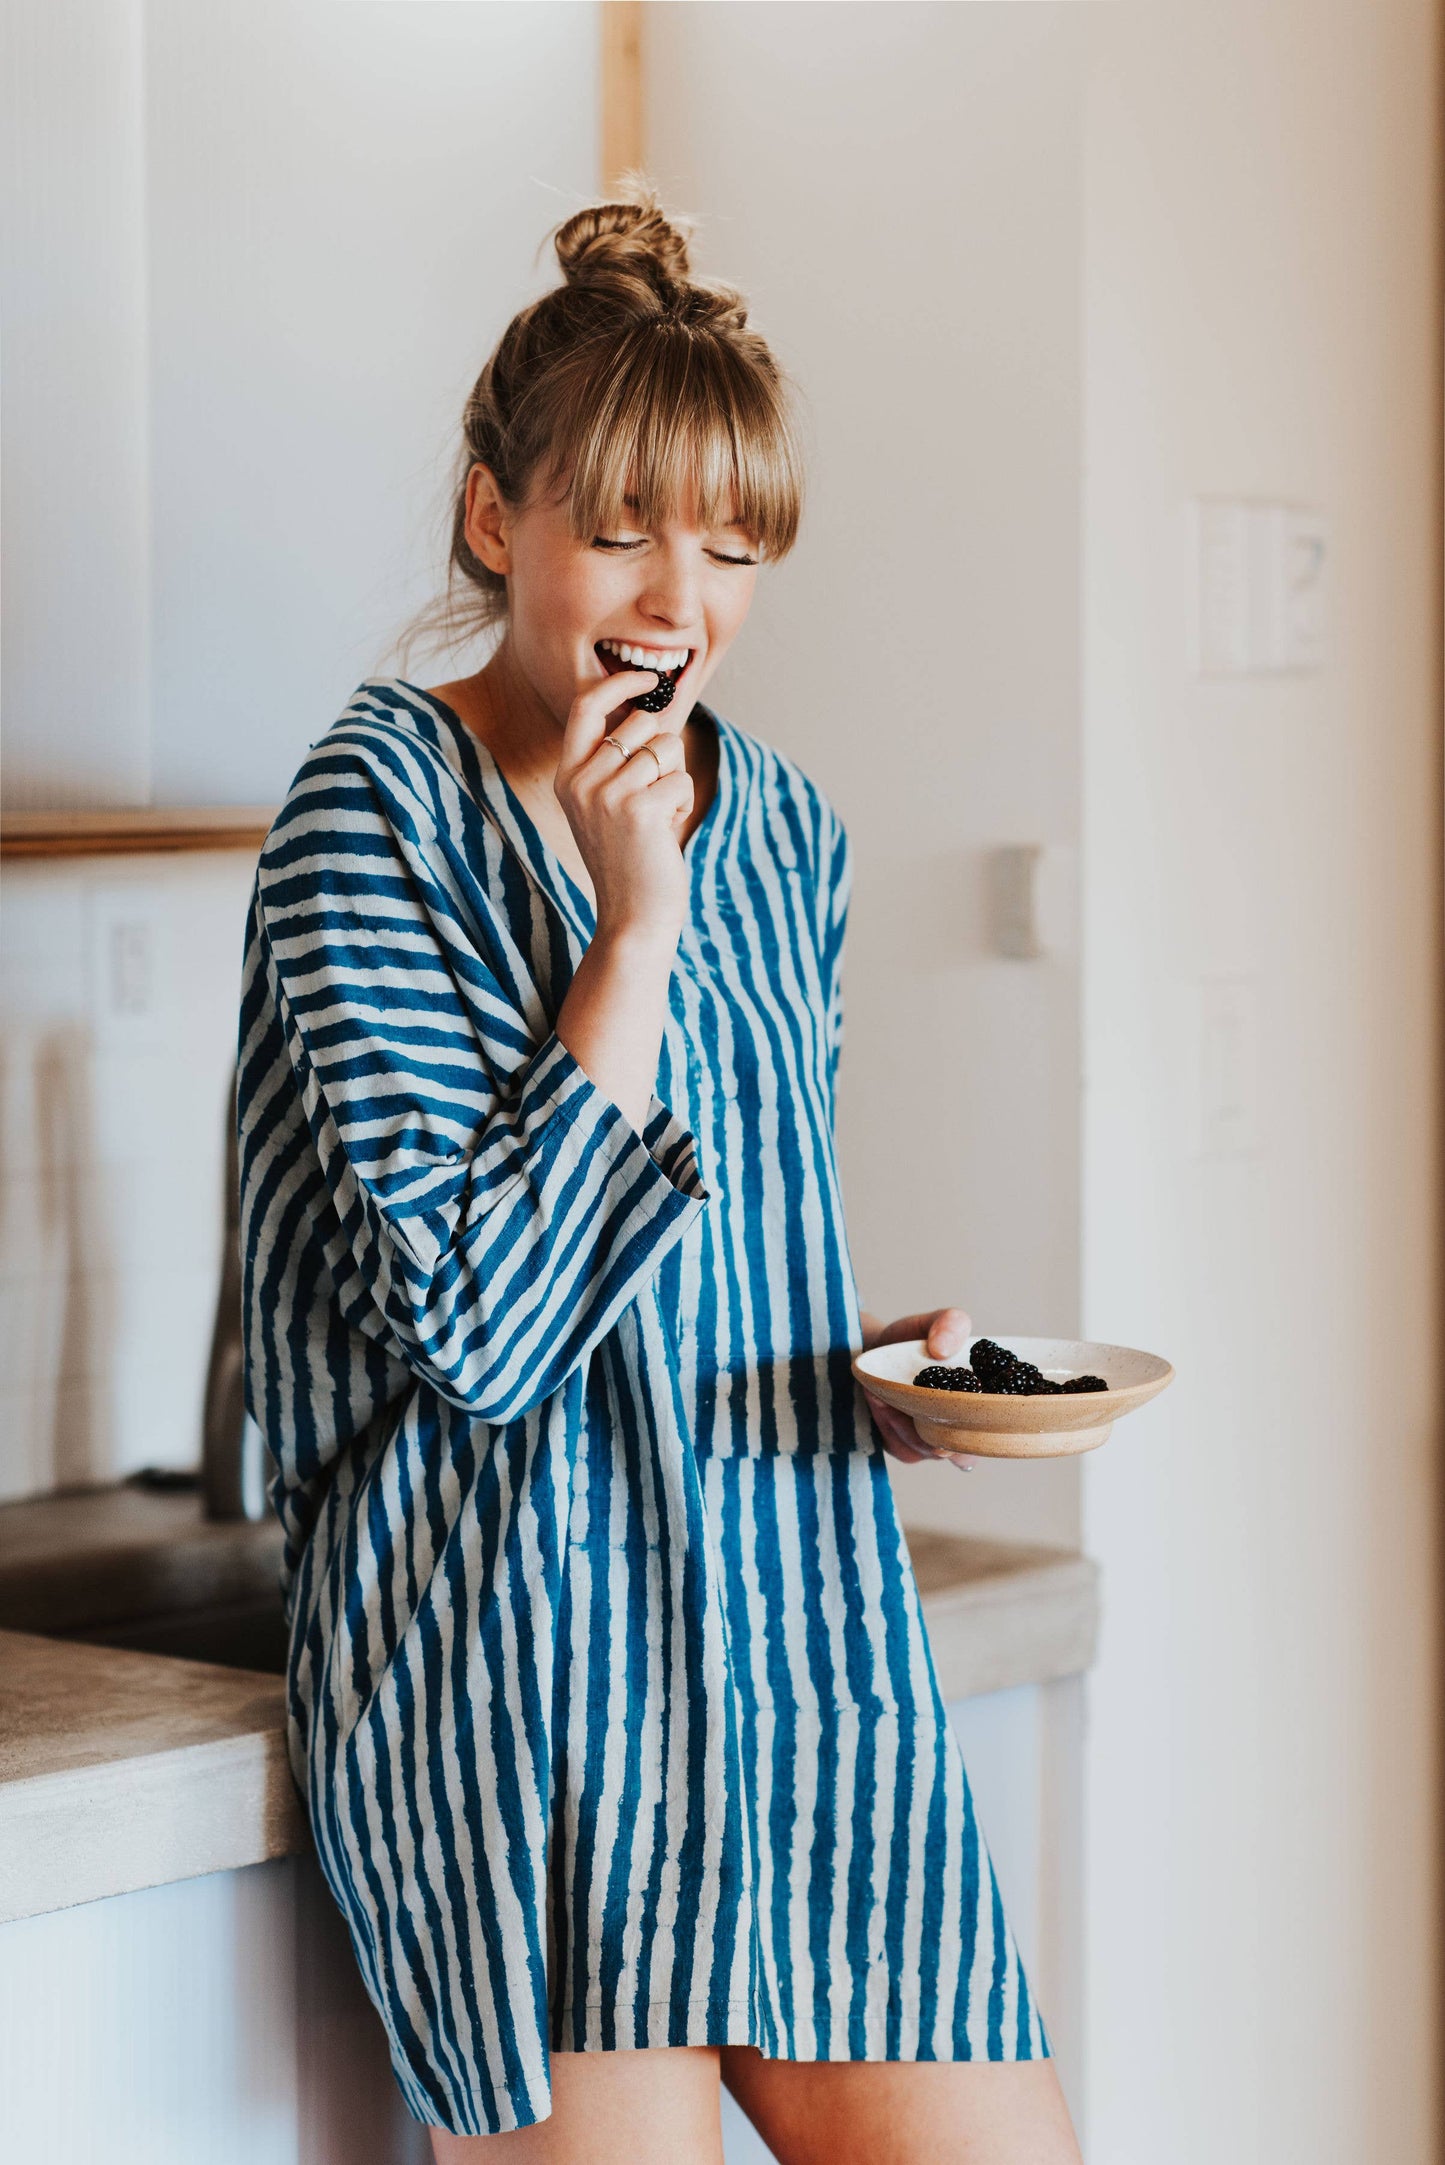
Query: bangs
667, 424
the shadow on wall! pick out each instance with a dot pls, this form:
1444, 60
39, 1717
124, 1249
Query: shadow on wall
56, 1260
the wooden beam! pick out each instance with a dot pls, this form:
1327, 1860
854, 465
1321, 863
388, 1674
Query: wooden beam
126, 832
624, 142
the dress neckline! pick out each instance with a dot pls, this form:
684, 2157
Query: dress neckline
527, 839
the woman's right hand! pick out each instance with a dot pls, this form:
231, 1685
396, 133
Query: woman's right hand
628, 812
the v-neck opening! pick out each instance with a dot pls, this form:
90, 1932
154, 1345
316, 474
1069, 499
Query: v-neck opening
534, 844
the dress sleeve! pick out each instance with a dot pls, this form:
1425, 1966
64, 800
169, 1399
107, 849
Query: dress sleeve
835, 888
494, 1210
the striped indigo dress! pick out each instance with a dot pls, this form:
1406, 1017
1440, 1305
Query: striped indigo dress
609, 1692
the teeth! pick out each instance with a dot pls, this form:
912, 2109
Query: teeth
637, 657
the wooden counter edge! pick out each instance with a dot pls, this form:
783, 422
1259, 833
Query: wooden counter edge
128, 831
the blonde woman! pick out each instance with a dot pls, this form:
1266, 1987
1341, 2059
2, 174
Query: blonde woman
609, 1691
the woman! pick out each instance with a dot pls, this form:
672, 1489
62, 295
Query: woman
609, 1691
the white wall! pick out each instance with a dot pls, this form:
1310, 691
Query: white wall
74, 604
253, 257
345, 204
1250, 236
1263, 319
156, 2026
897, 190
221, 2021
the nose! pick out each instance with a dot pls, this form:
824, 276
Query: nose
672, 598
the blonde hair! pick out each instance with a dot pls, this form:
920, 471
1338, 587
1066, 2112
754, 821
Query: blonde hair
631, 378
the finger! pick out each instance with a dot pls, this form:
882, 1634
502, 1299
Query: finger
903, 1440
620, 766
586, 723
635, 788
949, 1331
899, 1434
661, 751
671, 796
914, 1326
958, 1459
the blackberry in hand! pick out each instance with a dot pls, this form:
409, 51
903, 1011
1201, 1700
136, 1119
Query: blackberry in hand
660, 696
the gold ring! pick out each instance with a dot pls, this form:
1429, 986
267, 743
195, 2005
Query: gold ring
625, 749
655, 760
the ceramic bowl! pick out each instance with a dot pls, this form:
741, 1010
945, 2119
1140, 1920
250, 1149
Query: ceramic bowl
983, 1424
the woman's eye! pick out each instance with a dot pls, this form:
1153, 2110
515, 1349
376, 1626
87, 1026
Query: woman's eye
615, 542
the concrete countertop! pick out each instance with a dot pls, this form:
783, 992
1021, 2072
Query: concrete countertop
1001, 1613
122, 1769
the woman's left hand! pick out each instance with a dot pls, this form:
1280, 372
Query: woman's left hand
945, 1331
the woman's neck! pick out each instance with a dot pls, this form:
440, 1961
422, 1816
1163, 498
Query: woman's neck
500, 706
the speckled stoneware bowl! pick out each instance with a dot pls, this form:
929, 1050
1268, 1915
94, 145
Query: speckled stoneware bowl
985, 1424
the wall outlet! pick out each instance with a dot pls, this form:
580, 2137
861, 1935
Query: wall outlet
129, 966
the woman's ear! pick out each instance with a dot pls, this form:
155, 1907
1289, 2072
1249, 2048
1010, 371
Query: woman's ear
488, 521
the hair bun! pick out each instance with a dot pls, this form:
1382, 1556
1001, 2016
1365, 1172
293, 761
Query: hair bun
630, 237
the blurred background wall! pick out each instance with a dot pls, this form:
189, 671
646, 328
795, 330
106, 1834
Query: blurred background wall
1049, 274
1262, 320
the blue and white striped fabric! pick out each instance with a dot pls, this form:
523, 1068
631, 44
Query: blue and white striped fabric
609, 1690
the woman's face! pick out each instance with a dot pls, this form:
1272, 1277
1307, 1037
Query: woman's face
675, 590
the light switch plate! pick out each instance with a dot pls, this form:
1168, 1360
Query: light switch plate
1258, 588
1034, 889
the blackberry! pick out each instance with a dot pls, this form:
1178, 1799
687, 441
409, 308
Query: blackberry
987, 1358
1024, 1381
1006, 1375
660, 696
947, 1379
1002, 1372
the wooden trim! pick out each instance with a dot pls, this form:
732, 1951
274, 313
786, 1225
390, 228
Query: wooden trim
127, 831
624, 144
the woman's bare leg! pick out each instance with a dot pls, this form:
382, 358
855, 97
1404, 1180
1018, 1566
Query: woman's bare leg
612, 2108
903, 2112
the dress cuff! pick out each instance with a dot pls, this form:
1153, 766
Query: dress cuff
565, 1088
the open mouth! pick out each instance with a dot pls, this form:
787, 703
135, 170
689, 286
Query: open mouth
669, 662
